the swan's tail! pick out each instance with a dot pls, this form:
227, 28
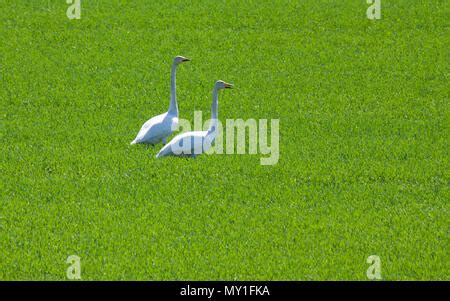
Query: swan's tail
133, 142
160, 154
166, 150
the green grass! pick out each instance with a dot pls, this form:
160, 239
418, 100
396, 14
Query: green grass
364, 122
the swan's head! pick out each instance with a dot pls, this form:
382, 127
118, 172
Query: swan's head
220, 84
180, 59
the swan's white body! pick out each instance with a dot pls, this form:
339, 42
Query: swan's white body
158, 128
188, 144
196, 142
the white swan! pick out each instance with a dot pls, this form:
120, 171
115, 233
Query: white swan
197, 142
158, 128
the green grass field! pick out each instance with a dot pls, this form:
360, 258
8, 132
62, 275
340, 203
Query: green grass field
364, 140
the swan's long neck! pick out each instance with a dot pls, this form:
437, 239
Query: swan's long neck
173, 108
214, 110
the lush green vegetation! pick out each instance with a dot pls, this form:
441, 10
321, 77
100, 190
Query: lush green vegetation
364, 123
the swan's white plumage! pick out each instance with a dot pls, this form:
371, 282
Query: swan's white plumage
158, 128
191, 144
196, 142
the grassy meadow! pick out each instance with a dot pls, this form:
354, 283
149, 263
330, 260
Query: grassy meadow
364, 140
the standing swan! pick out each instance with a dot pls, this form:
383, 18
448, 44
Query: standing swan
158, 128
197, 142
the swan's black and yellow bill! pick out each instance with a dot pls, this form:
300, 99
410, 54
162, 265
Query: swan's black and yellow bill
228, 86
186, 59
